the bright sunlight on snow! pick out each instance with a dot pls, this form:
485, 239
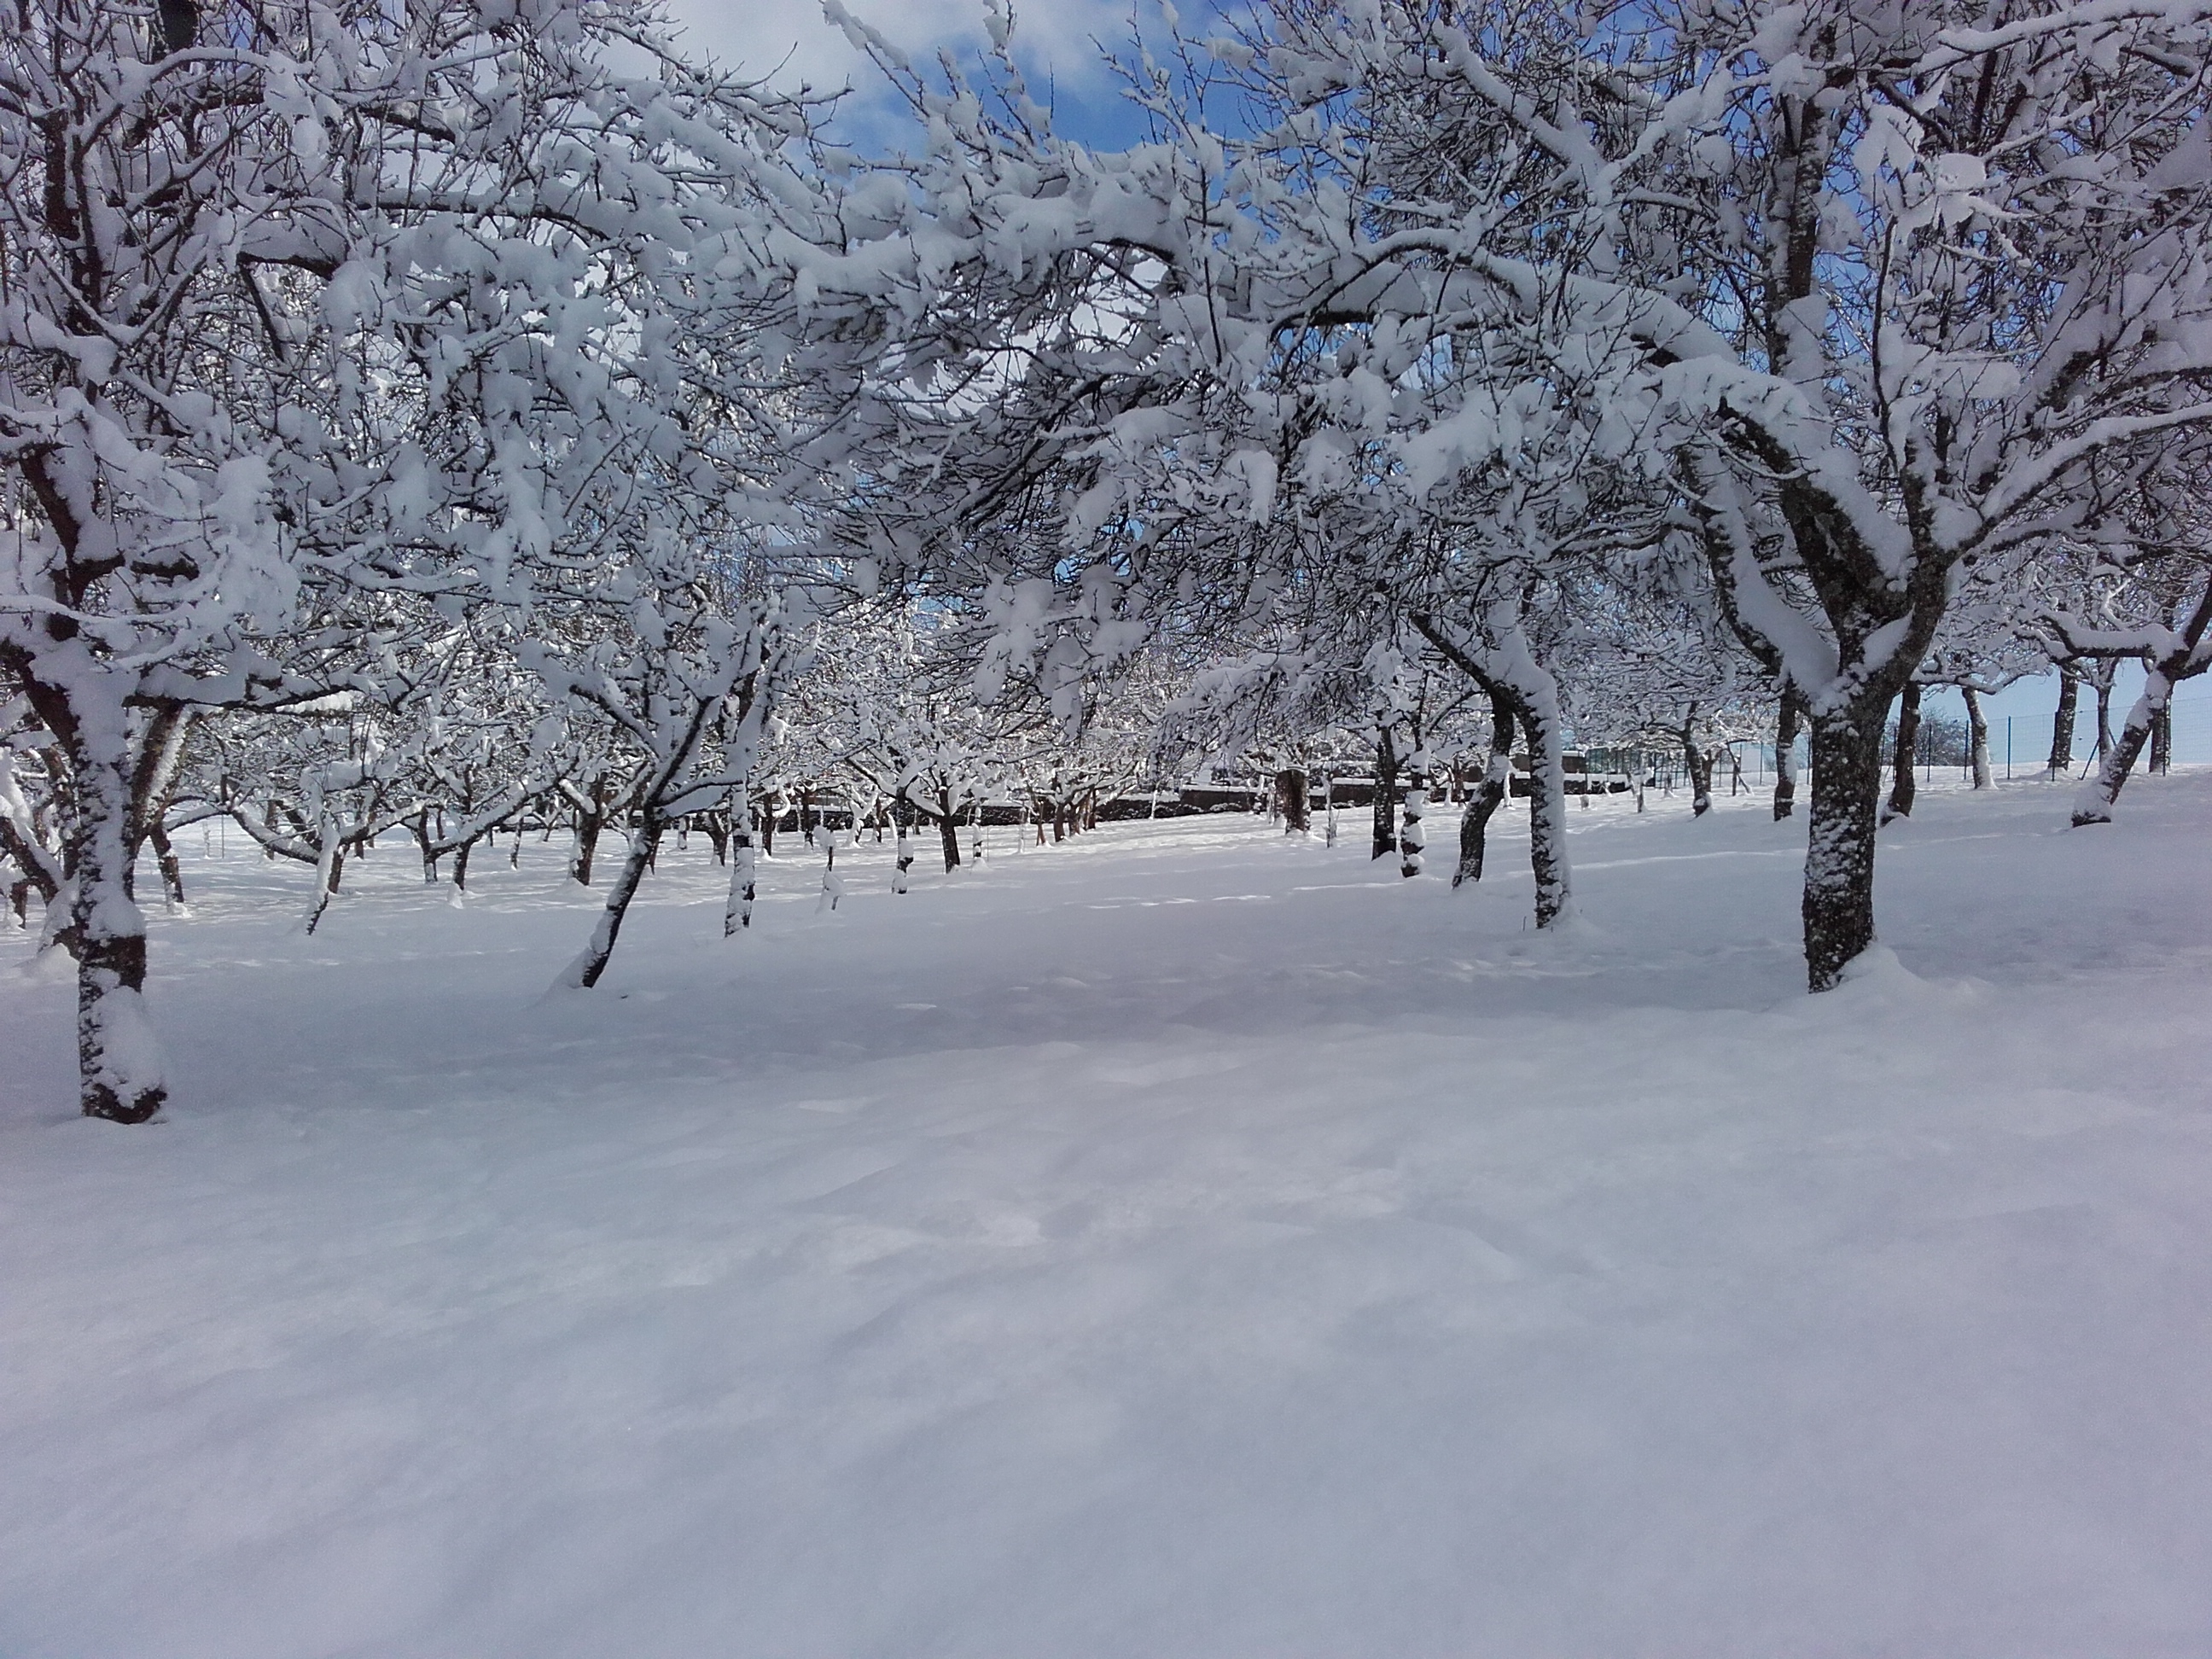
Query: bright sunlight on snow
1188, 1241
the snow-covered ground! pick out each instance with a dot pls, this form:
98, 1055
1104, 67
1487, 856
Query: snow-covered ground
1180, 1242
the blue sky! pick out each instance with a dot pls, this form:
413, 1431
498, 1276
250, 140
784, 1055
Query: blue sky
1056, 40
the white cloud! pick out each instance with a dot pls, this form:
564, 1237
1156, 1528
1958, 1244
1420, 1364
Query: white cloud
792, 41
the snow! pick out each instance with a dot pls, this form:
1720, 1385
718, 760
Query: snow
1178, 1243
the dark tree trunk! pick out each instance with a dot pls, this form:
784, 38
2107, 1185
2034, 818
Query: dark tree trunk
718, 837
948, 831
1291, 801
2161, 741
461, 865
1386, 795
119, 1060
1785, 753
1838, 905
1483, 801
1547, 808
2062, 722
419, 827
1902, 788
588, 825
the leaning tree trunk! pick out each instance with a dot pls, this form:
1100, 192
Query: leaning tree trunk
1483, 802
1785, 753
165, 860
119, 1066
1901, 788
1978, 733
2062, 722
1838, 904
2187, 656
1386, 796
583, 972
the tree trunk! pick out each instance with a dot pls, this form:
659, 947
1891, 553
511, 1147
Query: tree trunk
583, 972
2101, 679
1547, 809
2185, 660
1902, 788
1413, 838
737, 909
119, 1066
1291, 801
1698, 766
948, 831
1978, 731
461, 865
1838, 904
2161, 741
1785, 753
1483, 802
1386, 795
165, 859
588, 825
2062, 723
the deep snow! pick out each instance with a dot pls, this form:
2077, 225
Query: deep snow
1180, 1242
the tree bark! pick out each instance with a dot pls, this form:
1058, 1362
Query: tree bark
2062, 722
1838, 902
1291, 801
1785, 752
1386, 795
1698, 766
2161, 741
948, 831
1978, 733
1483, 802
1902, 788
120, 1065
589, 822
1547, 808
165, 859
